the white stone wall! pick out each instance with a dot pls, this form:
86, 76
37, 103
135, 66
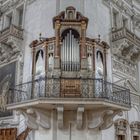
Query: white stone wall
38, 19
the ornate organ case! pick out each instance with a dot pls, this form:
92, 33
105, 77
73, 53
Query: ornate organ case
69, 57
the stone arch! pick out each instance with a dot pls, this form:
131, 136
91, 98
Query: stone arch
133, 114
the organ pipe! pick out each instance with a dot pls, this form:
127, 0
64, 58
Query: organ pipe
70, 53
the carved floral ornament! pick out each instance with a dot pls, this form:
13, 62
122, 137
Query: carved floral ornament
126, 50
9, 52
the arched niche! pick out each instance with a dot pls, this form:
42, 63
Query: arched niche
99, 58
133, 114
40, 62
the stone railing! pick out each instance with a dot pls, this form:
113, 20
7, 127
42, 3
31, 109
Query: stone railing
125, 33
81, 88
11, 30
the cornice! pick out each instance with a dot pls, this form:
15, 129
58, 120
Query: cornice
123, 5
6, 5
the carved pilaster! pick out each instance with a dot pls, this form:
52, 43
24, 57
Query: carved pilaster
94, 55
57, 45
33, 65
105, 63
83, 49
83, 45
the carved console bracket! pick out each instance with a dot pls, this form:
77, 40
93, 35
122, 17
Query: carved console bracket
36, 118
30, 121
60, 110
108, 118
80, 111
101, 119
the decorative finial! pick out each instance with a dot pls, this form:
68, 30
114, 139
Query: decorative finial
40, 36
99, 38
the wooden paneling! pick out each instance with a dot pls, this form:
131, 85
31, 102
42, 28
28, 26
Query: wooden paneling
8, 134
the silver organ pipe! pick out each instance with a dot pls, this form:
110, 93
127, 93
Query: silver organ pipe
62, 52
77, 56
70, 51
74, 54
70, 57
65, 53
68, 47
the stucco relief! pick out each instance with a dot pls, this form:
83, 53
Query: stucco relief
7, 80
8, 53
123, 5
124, 66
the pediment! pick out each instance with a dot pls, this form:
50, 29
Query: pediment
127, 83
70, 15
131, 86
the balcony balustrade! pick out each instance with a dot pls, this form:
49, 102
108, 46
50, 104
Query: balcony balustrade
12, 30
70, 88
125, 33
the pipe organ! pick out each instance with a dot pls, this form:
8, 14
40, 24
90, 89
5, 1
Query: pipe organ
69, 50
70, 54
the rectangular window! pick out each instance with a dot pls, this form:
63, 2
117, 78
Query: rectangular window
125, 22
19, 16
121, 137
8, 20
135, 137
115, 19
